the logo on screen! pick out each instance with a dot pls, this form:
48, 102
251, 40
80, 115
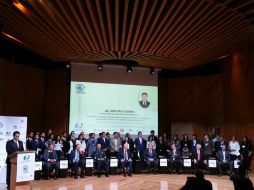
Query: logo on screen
78, 125
15, 127
80, 89
1, 125
8, 133
26, 157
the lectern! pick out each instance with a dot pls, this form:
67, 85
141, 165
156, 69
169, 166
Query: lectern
22, 168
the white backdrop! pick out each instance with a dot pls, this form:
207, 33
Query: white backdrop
8, 125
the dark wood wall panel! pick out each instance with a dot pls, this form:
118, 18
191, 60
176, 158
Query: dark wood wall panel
56, 100
195, 104
239, 95
22, 93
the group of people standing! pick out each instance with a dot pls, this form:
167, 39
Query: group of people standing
50, 149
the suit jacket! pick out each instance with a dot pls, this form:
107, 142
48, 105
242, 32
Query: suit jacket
140, 147
218, 144
121, 154
37, 144
173, 156
115, 147
208, 147
91, 146
99, 155
104, 144
219, 156
144, 105
73, 154
147, 155
11, 147
45, 156
193, 146
195, 155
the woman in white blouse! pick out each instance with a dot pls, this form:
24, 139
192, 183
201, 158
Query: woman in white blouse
234, 148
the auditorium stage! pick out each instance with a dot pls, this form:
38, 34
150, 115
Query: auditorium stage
117, 182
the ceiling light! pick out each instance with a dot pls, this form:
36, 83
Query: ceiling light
20, 7
152, 71
129, 69
100, 67
11, 37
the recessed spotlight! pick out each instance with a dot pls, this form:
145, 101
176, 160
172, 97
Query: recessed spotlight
129, 69
99, 67
152, 71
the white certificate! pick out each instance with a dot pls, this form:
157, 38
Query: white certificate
113, 162
163, 162
89, 163
187, 162
63, 164
212, 163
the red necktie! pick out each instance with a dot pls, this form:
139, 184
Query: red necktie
198, 155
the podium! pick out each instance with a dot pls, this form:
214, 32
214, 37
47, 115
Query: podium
22, 168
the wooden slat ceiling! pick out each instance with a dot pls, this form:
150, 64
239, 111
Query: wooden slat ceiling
170, 34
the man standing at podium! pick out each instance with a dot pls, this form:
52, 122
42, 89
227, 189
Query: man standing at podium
14, 145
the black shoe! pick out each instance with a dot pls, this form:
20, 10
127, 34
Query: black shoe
55, 177
99, 175
75, 177
106, 174
129, 174
124, 174
46, 178
82, 176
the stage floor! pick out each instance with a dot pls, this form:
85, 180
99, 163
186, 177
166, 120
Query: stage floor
117, 182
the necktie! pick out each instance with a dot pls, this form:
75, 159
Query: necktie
17, 142
198, 155
150, 151
224, 155
77, 156
125, 155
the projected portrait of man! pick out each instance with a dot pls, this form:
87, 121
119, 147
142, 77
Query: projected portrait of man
144, 103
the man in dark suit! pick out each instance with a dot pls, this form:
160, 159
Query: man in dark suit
50, 161
194, 142
174, 159
144, 102
198, 158
140, 146
219, 143
125, 157
104, 142
14, 145
100, 160
77, 161
150, 157
223, 158
37, 146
